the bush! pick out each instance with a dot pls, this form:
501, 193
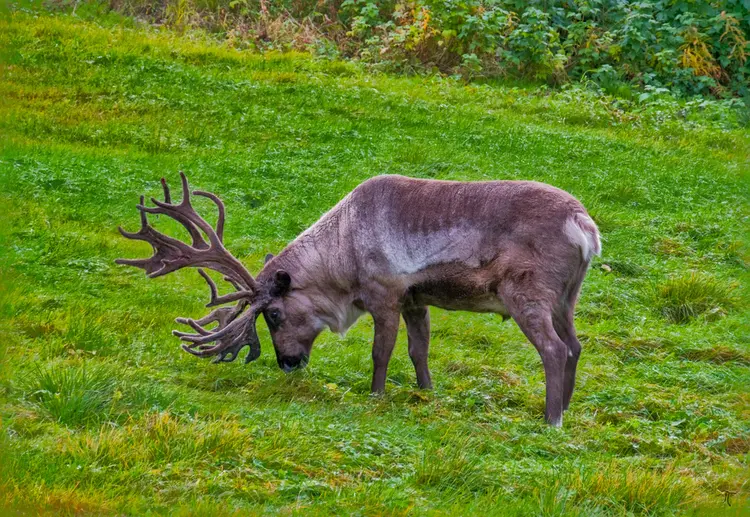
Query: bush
692, 48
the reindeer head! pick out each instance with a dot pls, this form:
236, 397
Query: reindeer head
290, 315
235, 326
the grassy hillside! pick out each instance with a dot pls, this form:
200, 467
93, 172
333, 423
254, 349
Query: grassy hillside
101, 412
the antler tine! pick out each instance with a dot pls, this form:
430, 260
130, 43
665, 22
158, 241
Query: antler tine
144, 217
245, 335
231, 335
141, 230
211, 284
185, 189
219, 315
213, 336
220, 206
223, 316
165, 187
194, 325
171, 211
252, 312
164, 246
231, 280
185, 211
227, 298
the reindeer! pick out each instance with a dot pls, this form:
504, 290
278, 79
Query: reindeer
393, 247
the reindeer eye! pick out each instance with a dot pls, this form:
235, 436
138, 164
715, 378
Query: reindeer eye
274, 317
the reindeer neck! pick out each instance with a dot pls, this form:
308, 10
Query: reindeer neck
320, 257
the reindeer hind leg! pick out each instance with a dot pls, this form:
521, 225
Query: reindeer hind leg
534, 316
563, 323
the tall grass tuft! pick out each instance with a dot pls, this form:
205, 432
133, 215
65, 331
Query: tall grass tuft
448, 468
72, 395
159, 438
681, 299
614, 490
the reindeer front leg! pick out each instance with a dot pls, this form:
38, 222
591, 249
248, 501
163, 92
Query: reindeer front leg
386, 330
418, 329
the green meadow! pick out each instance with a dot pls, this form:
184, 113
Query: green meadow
101, 412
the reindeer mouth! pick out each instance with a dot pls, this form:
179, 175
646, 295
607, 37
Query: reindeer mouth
290, 364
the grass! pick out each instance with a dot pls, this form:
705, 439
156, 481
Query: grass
73, 396
683, 298
101, 412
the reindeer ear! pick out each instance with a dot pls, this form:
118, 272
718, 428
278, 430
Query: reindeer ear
281, 283
268, 258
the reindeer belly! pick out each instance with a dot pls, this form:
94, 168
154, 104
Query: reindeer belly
478, 304
458, 296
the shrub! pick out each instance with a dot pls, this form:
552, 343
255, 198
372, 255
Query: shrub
689, 47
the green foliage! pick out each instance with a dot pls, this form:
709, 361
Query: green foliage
101, 413
690, 48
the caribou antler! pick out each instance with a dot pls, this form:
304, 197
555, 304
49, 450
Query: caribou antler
235, 325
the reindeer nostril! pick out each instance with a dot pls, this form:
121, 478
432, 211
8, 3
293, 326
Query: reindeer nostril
289, 364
